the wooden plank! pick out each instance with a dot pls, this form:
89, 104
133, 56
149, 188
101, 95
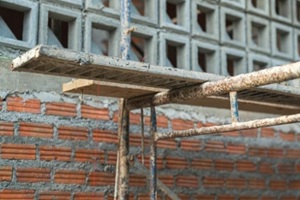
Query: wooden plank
102, 88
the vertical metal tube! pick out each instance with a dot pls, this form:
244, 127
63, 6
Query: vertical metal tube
123, 181
234, 106
153, 175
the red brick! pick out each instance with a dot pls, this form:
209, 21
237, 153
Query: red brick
5, 173
190, 145
57, 195
209, 124
204, 196
61, 109
286, 168
249, 133
7, 194
226, 197
236, 148
256, 184
213, 182
111, 158
177, 163
231, 134
267, 132
49, 153
159, 162
293, 153
290, 137
35, 130
168, 180
248, 198
245, 165
17, 104
136, 140
277, 184
167, 144
69, 177
89, 155
180, 124
18, 151
105, 136
257, 151
187, 181
90, 112
294, 185
288, 198
236, 183
202, 163
162, 121
224, 165
268, 198
101, 179
6, 129
145, 197
72, 133
33, 175
88, 195
135, 118
215, 146
266, 168
137, 180
275, 153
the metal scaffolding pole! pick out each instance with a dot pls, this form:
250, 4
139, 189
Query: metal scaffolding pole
236, 83
123, 162
153, 168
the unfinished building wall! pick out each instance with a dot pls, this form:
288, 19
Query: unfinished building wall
56, 146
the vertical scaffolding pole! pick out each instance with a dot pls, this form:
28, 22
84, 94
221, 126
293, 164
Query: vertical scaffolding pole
123, 176
153, 175
234, 107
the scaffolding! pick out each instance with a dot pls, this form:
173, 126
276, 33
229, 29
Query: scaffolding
142, 85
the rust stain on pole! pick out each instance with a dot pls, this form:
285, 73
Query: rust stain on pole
230, 127
213, 88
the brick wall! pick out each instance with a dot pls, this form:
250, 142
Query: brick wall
66, 149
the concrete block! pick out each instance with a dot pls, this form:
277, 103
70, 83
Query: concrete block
205, 19
233, 28
28, 35
233, 61
174, 51
260, 7
144, 44
68, 3
235, 3
101, 35
258, 61
296, 12
281, 10
282, 41
70, 18
205, 57
175, 15
107, 8
258, 34
296, 44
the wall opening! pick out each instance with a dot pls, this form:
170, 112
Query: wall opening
259, 4
230, 28
172, 12
282, 8
100, 41
257, 34
105, 3
259, 65
202, 19
234, 64
298, 10
202, 62
298, 42
230, 65
60, 29
254, 3
138, 48
172, 54
14, 20
140, 6
282, 41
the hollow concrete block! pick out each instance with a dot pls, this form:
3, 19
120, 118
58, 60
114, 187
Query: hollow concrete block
235, 57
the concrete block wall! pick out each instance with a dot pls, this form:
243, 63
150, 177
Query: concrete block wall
55, 146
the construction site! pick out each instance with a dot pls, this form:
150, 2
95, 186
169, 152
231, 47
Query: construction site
149, 99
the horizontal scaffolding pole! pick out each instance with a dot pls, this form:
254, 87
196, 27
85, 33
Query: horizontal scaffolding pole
213, 88
230, 127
